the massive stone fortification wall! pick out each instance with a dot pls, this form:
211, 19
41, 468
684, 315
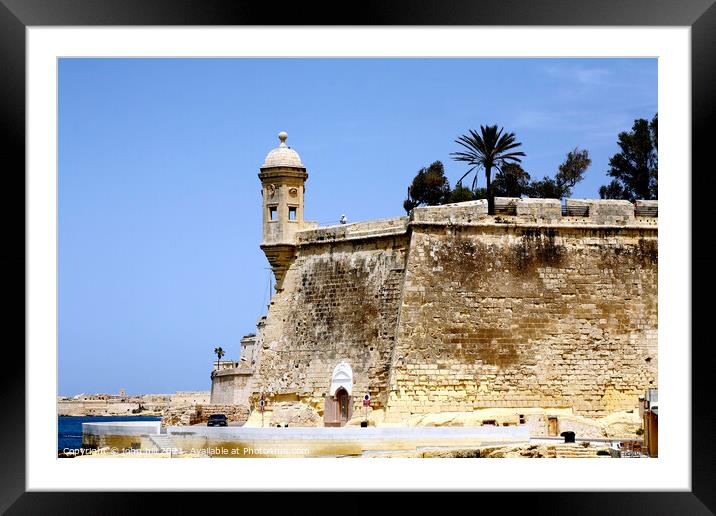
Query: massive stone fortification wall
452, 311
339, 301
529, 309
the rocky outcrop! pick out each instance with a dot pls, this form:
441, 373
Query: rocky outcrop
294, 414
197, 414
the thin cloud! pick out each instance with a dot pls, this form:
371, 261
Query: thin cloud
578, 121
581, 75
592, 76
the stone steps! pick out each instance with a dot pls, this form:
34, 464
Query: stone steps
575, 452
164, 443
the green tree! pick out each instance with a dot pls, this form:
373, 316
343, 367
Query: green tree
654, 167
511, 181
547, 188
430, 187
460, 194
490, 149
219, 352
635, 168
613, 190
570, 172
479, 193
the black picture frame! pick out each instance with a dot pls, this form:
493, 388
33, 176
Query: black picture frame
17, 15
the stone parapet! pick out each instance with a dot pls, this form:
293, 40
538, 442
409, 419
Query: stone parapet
354, 231
508, 210
458, 213
539, 209
604, 211
647, 209
242, 370
541, 212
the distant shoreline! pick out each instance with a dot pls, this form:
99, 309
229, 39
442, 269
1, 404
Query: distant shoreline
102, 404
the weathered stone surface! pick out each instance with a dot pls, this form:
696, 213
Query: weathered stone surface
185, 416
454, 311
294, 414
339, 301
559, 317
229, 386
534, 451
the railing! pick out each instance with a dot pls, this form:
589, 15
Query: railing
646, 211
575, 211
505, 206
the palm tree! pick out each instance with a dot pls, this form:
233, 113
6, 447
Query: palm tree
489, 149
219, 353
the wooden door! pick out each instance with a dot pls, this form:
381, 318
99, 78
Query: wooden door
338, 409
345, 405
552, 429
651, 434
330, 412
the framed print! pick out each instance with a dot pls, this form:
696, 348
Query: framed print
296, 240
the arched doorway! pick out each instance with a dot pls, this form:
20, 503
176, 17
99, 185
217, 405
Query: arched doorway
338, 409
338, 405
343, 399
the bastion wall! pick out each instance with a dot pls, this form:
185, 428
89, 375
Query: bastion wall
340, 301
231, 386
454, 310
528, 310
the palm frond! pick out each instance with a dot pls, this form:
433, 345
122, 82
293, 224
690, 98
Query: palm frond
513, 156
488, 149
465, 174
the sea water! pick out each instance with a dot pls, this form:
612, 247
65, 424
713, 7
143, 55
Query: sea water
69, 428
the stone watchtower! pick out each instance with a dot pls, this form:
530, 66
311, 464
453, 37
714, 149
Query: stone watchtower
283, 179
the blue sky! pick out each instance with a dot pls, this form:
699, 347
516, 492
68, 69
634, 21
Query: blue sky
159, 199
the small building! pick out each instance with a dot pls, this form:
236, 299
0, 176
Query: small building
248, 347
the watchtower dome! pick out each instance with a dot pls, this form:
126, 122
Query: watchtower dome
283, 179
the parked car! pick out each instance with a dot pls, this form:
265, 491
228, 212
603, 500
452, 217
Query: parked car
217, 420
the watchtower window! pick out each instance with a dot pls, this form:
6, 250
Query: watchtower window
291, 213
273, 212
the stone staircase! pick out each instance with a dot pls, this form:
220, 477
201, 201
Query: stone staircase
163, 443
576, 451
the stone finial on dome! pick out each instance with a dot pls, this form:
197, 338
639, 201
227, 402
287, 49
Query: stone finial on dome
283, 155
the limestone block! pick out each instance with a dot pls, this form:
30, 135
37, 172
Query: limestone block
539, 209
457, 213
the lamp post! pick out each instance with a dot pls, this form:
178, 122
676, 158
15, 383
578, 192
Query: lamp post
262, 403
